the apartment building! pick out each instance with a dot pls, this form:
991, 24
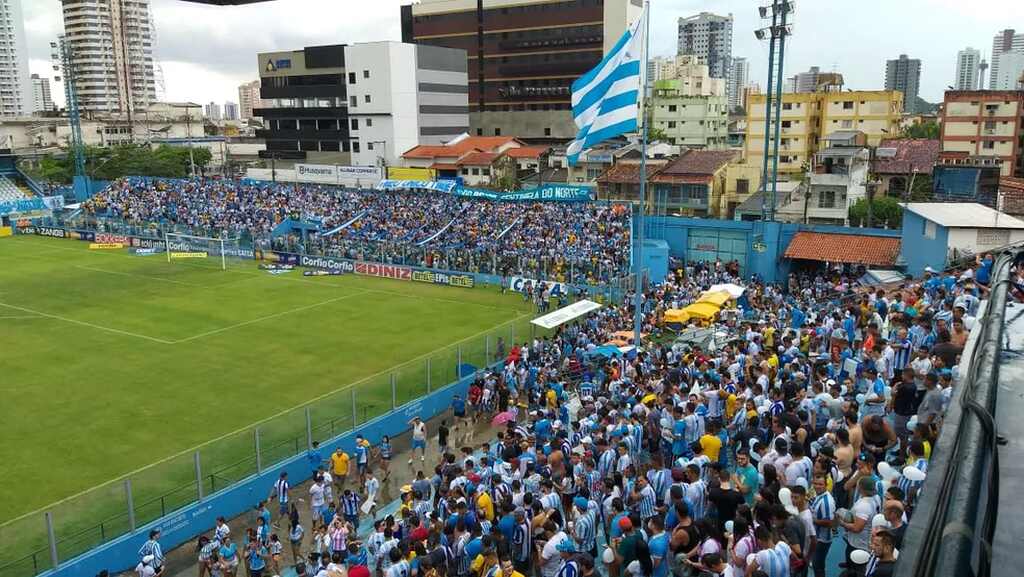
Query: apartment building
985, 123
690, 121
800, 130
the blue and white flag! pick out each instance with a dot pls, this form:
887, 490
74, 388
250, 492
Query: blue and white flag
606, 100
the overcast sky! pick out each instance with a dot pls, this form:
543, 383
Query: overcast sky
205, 52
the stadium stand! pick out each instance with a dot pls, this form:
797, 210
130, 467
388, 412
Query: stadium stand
546, 240
9, 190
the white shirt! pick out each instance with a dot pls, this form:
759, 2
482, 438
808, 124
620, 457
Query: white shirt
419, 431
865, 508
316, 495
550, 559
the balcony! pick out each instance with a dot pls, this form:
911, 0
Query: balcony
302, 134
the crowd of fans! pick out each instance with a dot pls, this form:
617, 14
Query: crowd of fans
580, 242
808, 429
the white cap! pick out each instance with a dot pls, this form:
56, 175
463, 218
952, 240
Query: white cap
928, 269
148, 559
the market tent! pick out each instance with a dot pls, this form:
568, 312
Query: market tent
734, 290
702, 311
623, 338
606, 351
716, 298
676, 316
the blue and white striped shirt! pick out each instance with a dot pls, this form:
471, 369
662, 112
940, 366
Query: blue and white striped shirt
585, 531
152, 547
350, 504
695, 494
647, 502
281, 490
568, 569
775, 561
824, 509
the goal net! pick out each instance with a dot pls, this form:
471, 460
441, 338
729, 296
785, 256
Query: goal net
208, 251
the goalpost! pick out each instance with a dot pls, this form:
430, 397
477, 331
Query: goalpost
188, 247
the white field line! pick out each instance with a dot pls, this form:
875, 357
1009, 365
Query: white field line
284, 278
250, 426
86, 324
13, 317
268, 317
132, 274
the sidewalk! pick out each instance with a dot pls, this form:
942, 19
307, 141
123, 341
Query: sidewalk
182, 561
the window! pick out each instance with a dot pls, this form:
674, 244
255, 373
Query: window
369, 122
465, 171
847, 105
355, 146
929, 229
353, 102
671, 107
547, 131
742, 186
497, 132
366, 73
367, 98
486, 171
787, 106
351, 77
827, 199
476, 172
671, 124
369, 146
787, 124
355, 124
988, 145
344, 146
479, 131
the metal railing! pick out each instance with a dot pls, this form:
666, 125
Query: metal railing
951, 532
41, 540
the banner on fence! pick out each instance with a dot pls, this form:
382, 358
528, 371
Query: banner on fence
442, 278
24, 205
104, 245
546, 193
189, 255
432, 185
54, 202
520, 284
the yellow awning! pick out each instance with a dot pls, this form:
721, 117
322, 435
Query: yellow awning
716, 298
676, 316
702, 311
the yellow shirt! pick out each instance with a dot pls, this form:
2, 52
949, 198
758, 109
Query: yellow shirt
552, 399
712, 446
339, 463
484, 503
730, 406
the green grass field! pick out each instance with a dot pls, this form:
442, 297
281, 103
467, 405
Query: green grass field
110, 362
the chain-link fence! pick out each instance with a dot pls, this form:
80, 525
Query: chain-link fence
39, 541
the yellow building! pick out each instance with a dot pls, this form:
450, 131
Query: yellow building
876, 113
799, 133
985, 123
809, 118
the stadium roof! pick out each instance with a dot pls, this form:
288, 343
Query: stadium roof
963, 215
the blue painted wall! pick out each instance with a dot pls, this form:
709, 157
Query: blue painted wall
184, 525
919, 251
702, 239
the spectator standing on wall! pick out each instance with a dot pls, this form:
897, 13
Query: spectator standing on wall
419, 439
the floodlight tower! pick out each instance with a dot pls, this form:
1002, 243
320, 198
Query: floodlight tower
777, 13
63, 62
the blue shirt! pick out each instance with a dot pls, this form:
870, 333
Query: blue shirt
658, 546
459, 407
314, 458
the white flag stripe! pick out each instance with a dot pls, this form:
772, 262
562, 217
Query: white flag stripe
611, 94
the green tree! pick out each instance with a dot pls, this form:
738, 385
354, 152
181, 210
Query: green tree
886, 212
654, 133
927, 130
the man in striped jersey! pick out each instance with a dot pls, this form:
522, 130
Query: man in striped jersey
695, 493
280, 492
350, 501
585, 527
569, 566
823, 509
773, 557
522, 543
643, 500
915, 458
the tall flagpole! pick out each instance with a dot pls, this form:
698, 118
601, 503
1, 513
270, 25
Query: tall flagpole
638, 316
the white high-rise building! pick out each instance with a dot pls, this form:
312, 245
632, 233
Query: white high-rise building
230, 111
1011, 72
42, 99
248, 99
709, 36
15, 88
967, 62
212, 111
111, 42
1006, 42
738, 80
